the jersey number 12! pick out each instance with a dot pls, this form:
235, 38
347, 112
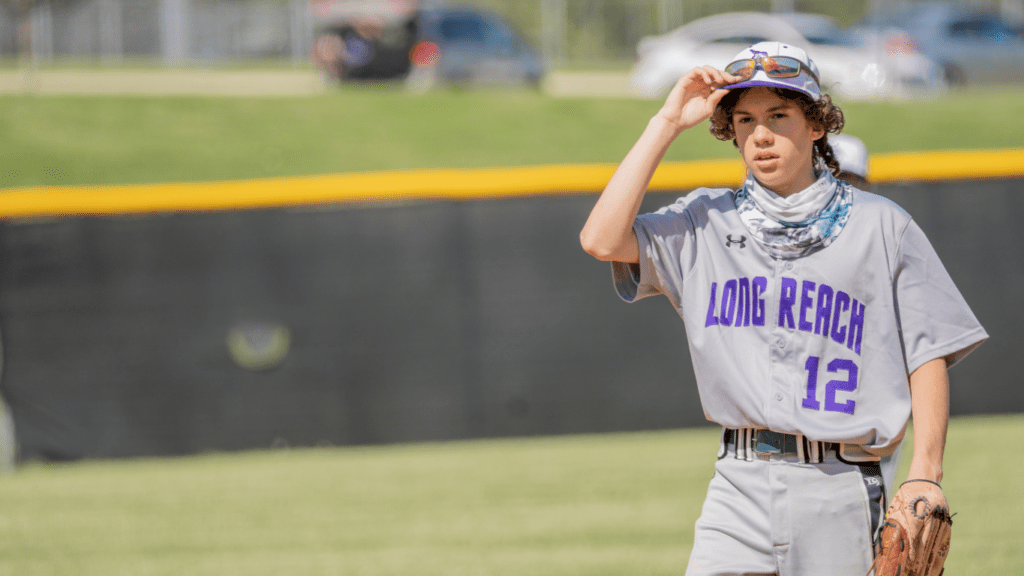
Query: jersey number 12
833, 386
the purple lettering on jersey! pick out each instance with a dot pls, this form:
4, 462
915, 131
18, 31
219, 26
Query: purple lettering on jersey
787, 299
760, 287
811, 365
712, 320
824, 309
848, 385
856, 327
743, 305
842, 305
806, 303
728, 303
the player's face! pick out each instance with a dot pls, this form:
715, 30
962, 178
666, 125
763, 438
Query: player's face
776, 140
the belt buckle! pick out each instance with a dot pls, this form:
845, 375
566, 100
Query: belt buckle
768, 442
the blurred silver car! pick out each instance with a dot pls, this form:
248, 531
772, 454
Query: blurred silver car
972, 45
851, 65
467, 44
378, 40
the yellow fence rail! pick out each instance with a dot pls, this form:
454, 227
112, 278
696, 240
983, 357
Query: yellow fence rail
469, 184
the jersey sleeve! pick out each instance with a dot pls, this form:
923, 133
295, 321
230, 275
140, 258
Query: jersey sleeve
935, 320
666, 245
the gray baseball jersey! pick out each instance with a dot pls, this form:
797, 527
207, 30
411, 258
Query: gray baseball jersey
820, 345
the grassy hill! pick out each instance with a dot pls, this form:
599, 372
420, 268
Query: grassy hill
64, 140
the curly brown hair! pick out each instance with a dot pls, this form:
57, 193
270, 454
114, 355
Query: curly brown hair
823, 115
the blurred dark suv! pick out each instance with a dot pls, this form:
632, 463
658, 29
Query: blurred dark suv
452, 44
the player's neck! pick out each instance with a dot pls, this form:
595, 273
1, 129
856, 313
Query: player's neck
801, 181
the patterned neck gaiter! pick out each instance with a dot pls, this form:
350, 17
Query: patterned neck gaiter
787, 240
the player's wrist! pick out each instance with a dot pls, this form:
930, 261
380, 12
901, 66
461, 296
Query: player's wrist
665, 125
931, 473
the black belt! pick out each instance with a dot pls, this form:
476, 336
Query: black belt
771, 442
748, 442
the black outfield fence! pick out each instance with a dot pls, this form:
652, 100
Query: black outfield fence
362, 324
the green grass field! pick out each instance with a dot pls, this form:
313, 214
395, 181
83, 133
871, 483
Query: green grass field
601, 504
60, 140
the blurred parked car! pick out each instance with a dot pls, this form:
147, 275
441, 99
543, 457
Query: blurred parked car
908, 70
849, 65
971, 44
477, 46
364, 39
448, 44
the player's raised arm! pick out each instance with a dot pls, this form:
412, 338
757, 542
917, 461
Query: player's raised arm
608, 233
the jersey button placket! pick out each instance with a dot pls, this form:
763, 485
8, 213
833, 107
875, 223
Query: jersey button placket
778, 412
781, 367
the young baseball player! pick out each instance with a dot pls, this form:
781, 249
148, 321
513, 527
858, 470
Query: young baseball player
818, 316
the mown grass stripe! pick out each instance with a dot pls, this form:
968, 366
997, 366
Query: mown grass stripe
468, 184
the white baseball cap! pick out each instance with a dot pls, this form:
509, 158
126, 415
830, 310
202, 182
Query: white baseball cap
851, 153
802, 82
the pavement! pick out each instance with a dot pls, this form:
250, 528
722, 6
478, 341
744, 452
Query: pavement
589, 84
257, 83
162, 82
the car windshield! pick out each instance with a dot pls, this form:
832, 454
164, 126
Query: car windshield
745, 40
463, 28
980, 28
832, 40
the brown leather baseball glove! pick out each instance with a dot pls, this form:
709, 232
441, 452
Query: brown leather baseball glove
915, 537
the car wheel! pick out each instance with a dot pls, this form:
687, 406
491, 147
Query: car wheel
954, 75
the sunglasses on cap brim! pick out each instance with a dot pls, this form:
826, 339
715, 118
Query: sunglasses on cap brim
773, 66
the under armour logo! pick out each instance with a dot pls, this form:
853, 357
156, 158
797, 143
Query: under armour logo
758, 53
874, 480
729, 241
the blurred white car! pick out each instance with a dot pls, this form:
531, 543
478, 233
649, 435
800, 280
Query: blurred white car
852, 66
908, 70
972, 44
